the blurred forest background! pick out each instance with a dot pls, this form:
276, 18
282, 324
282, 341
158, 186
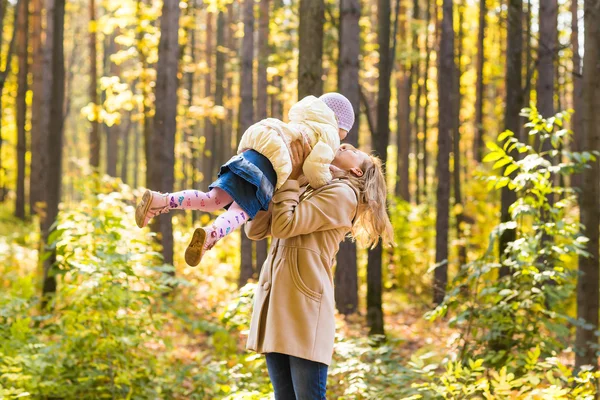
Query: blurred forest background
485, 113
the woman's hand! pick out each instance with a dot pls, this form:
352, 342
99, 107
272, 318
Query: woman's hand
299, 150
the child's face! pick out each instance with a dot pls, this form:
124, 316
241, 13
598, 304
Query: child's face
343, 133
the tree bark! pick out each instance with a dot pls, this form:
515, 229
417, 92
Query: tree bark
380, 142
208, 164
246, 118
577, 119
221, 154
479, 90
346, 272
125, 154
38, 156
512, 108
112, 132
426, 95
3, 77
547, 48
446, 78
52, 128
95, 128
462, 249
310, 60
165, 124
22, 46
588, 283
261, 100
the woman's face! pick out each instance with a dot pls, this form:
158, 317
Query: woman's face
349, 158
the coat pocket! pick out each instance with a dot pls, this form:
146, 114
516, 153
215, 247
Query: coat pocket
311, 285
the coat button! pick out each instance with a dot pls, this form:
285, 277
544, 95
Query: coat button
266, 285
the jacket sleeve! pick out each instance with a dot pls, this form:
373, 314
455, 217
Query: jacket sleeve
332, 207
260, 227
316, 165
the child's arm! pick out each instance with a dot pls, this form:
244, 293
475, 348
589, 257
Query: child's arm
260, 227
316, 165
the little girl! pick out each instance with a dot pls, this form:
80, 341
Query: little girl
246, 183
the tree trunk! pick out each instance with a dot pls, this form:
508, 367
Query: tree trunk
426, 95
261, 100
380, 142
95, 132
446, 77
577, 119
403, 83
38, 156
52, 128
3, 77
125, 154
512, 108
165, 124
478, 142
462, 249
246, 118
547, 48
147, 94
208, 163
346, 272
588, 283
310, 60
112, 132
136, 153
220, 153
22, 46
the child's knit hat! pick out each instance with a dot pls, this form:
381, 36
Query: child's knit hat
341, 107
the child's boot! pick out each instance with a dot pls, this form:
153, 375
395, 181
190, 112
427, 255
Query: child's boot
202, 241
152, 204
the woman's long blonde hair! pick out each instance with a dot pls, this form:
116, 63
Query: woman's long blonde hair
372, 221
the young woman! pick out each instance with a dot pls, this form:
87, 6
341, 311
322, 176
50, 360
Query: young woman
293, 318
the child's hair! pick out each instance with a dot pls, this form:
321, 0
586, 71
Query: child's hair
372, 220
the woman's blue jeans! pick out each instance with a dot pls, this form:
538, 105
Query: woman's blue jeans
295, 378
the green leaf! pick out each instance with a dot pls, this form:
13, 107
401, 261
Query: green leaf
510, 169
492, 156
502, 162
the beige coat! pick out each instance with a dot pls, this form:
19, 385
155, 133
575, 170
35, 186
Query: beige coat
294, 302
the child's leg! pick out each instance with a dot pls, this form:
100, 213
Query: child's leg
196, 200
226, 223
155, 203
205, 238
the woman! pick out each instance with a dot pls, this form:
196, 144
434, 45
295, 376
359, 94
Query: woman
293, 318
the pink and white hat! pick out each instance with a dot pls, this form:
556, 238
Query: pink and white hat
341, 107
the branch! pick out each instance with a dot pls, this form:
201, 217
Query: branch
365, 102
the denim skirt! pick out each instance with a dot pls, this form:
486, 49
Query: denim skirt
249, 178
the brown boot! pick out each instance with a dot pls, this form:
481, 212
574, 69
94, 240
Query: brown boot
198, 246
152, 204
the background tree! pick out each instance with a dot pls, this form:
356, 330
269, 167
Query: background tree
52, 129
446, 126
246, 114
23, 56
346, 274
380, 144
588, 284
95, 128
262, 97
512, 108
165, 124
310, 59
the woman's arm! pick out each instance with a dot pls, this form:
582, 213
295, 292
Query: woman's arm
260, 227
332, 207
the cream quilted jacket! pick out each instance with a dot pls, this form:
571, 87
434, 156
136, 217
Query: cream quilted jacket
310, 118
